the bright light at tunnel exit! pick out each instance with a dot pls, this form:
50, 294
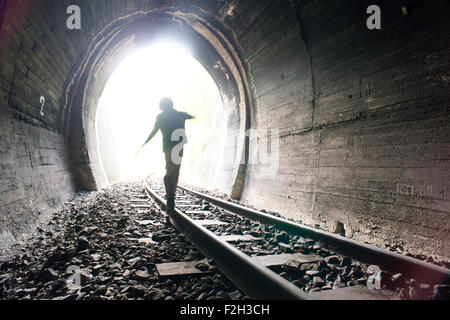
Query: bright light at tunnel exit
129, 105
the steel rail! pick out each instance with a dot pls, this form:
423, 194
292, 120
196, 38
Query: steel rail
385, 259
255, 280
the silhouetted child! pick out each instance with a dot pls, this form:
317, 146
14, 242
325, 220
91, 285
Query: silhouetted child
172, 125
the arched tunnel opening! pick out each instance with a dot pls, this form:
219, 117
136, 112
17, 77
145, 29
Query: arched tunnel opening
317, 165
129, 105
217, 57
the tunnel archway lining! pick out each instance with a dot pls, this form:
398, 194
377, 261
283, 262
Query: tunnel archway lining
209, 46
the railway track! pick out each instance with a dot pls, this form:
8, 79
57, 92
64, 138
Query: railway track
105, 246
268, 257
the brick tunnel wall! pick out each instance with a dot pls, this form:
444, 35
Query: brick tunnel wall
34, 175
363, 115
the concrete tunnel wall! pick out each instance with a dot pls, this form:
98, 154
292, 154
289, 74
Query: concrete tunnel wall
363, 115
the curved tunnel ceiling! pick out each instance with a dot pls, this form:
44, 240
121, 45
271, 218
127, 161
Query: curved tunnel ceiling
207, 44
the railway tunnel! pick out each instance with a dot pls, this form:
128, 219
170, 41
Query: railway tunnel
357, 118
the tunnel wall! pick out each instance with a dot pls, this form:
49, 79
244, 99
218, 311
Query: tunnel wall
363, 118
34, 177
